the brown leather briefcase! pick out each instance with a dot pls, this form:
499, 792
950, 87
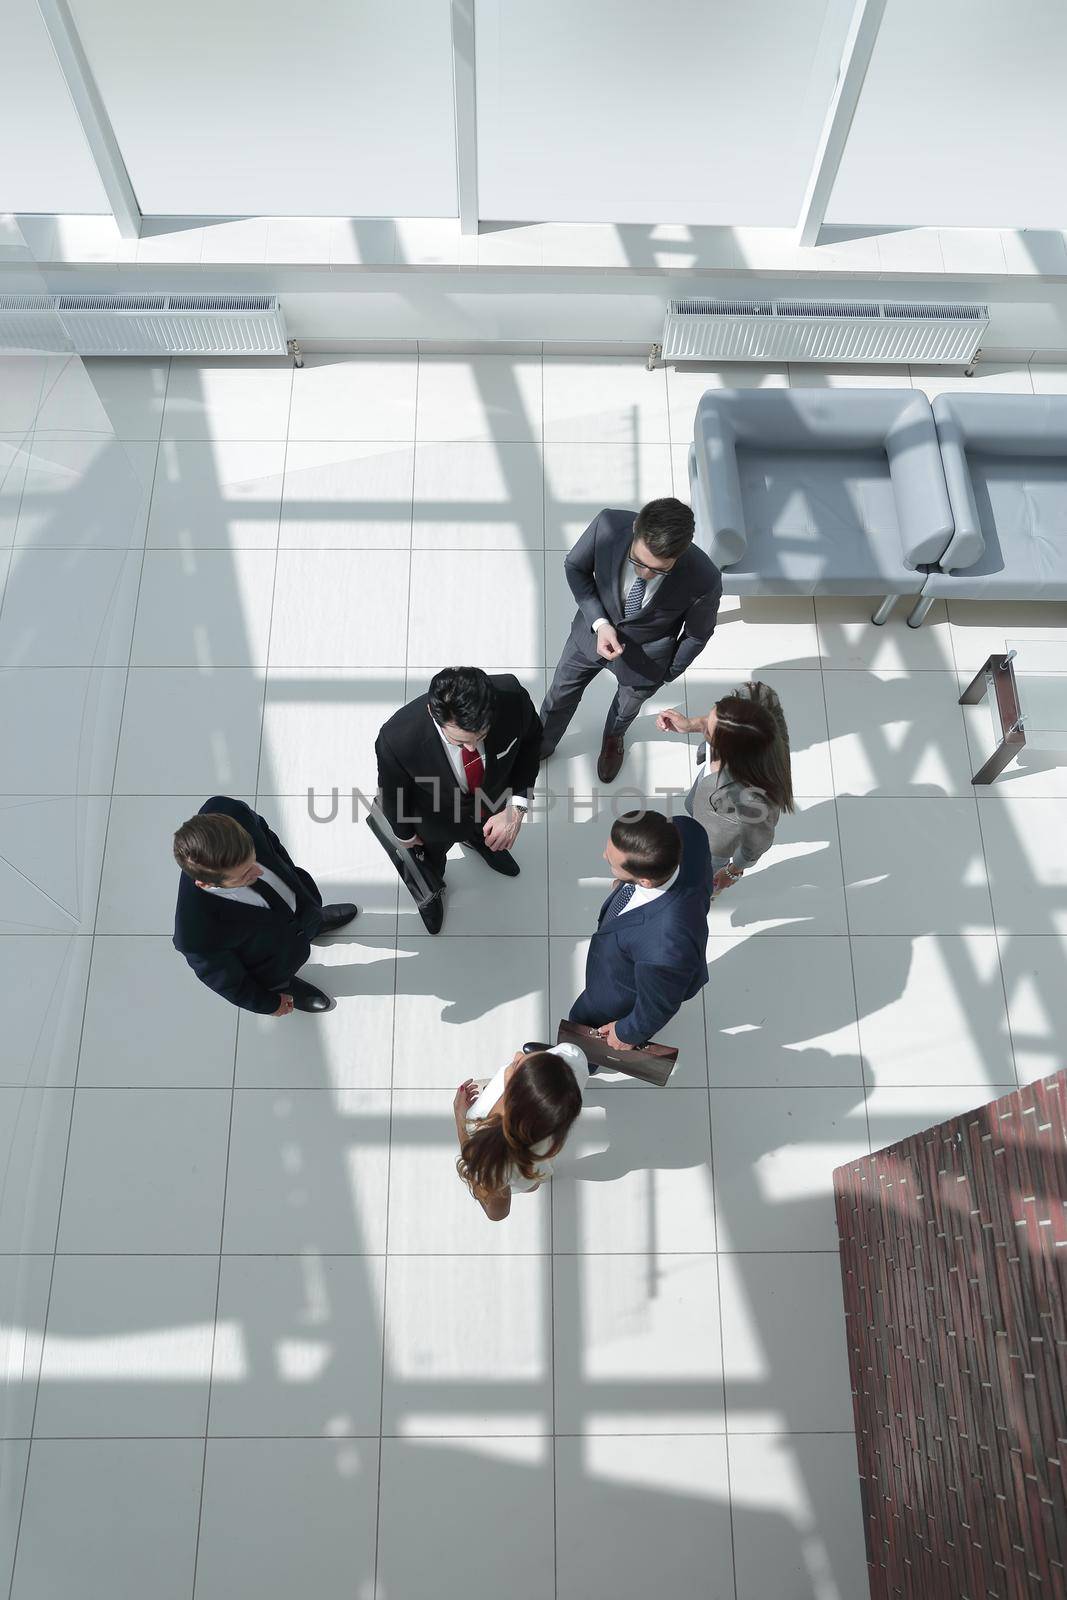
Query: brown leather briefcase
652, 1063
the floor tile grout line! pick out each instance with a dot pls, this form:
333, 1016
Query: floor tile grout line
379, 1255
392, 1055
718, 1296
863, 1085
84, 1008
265, 667
551, 1273
547, 850
995, 930
996, 935
327, 1439
573, 933
719, 669
685, 685
233, 1084
215, 1317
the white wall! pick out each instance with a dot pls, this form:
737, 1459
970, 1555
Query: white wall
326, 108
701, 111
961, 122
624, 308
44, 161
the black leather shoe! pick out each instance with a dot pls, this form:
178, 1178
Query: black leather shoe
501, 861
306, 997
433, 915
612, 750
334, 917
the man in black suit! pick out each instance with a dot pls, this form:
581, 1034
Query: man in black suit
649, 953
246, 914
456, 766
647, 602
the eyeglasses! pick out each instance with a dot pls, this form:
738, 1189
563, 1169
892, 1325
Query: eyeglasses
643, 566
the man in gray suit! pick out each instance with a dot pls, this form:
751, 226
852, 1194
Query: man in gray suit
647, 602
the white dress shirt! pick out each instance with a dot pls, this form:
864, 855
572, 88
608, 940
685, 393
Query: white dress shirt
626, 583
249, 897
642, 896
455, 755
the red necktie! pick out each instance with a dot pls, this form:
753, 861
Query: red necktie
473, 769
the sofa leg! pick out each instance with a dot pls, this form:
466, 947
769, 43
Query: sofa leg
882, 614
919, 610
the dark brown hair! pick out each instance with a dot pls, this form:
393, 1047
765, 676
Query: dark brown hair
650, 843
541, 1100
666, 526
211, 845
753, 746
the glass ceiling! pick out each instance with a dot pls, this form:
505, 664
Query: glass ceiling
618, 111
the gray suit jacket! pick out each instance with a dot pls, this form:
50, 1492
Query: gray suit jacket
739, 822
668, 635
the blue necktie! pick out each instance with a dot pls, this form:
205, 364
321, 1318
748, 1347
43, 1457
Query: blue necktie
618, 900
635, 599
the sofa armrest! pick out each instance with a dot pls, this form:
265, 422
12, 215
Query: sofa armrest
714, 456
968, 541
923, 509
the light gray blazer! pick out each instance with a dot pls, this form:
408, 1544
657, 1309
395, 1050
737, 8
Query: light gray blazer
739, 822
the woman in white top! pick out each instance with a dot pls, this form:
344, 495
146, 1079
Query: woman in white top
511, 1126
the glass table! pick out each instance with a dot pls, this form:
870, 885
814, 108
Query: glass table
1027, 689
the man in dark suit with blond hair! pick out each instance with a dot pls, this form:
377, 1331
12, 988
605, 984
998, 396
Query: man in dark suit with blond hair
246, 914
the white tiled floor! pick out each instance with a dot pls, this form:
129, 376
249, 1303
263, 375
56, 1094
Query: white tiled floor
255, 1336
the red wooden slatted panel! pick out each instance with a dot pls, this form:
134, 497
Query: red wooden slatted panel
954, 1265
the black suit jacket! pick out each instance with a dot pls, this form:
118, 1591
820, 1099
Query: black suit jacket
672, 630
643, 964
238, 950
417, 785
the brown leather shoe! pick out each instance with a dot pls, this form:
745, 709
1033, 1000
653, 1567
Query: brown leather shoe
611, 753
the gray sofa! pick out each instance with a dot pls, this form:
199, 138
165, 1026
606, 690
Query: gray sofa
1005, 459
820, 491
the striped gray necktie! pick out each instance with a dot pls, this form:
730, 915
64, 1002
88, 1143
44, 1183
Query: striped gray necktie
635, 599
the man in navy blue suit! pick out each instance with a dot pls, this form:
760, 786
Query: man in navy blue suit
649, 952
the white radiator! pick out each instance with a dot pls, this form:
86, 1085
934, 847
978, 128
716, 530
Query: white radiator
805, 330
144, 324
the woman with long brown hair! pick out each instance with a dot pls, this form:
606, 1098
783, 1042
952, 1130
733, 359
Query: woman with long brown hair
511, 1126
744, 782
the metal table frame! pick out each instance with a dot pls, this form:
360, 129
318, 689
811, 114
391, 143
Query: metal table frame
998, 674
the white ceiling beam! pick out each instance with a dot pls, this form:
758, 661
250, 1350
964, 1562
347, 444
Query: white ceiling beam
855, 59
95, 122
463, 88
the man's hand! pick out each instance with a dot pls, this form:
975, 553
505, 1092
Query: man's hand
724, 880
502, 829
672, 722
285, 1005
608, 1034
607, 642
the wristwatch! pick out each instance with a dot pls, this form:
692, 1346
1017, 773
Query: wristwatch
733, 873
